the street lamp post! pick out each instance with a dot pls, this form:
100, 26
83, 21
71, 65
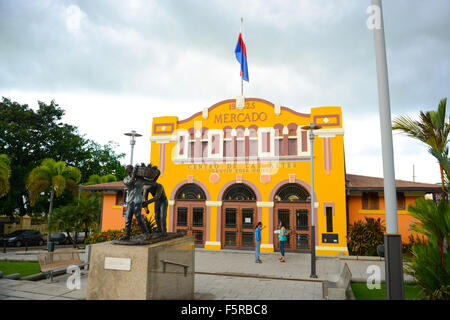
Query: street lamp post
132, 134
311, 129
392, 239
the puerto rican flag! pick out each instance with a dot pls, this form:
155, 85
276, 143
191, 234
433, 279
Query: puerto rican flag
241, 56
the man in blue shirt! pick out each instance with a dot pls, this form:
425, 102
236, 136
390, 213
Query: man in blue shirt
258, 229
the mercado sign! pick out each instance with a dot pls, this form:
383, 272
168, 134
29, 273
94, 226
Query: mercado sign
241, 116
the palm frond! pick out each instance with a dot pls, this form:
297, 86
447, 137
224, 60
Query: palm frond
72, 173
59, 184
35, 188
5, 159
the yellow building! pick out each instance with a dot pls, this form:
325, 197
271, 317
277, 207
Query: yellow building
227, 167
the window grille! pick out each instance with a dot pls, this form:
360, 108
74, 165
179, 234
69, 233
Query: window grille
182, 213
239, 192
292, 193
190, 191
302, 219
197, 217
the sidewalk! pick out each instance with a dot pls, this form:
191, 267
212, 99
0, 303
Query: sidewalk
225, 274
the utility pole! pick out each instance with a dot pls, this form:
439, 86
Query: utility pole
312, 127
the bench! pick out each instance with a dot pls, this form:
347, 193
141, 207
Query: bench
50, 262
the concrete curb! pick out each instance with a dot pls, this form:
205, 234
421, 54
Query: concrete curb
13, 276
364, 280
361, 258
341, 288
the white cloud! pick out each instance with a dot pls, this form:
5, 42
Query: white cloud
108, 62
74, 18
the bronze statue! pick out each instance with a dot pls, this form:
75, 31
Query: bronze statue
140, 182
161, 204
135, 183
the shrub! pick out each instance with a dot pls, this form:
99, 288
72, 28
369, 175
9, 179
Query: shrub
109, 235
364, 237
103, 236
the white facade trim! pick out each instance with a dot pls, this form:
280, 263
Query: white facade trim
329, 133
332, 248
163, 139
213, 203
262, 204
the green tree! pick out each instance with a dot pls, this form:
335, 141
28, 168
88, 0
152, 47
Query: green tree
96, 179
27, 136
55, 176
432, 128
5, 173
102, 160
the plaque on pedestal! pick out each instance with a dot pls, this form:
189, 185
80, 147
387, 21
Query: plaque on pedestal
159, 271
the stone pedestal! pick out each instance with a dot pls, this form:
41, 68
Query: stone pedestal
164, 270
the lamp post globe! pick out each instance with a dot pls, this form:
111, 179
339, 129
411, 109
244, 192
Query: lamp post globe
133, 134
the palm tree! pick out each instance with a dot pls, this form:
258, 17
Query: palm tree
88, 212
5, 174
63, 219
431, 128
434, 221
55, 176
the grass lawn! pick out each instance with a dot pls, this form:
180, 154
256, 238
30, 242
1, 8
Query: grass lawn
24, 268
363, 293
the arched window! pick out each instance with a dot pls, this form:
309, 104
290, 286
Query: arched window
239, 192
190, 191
292, 192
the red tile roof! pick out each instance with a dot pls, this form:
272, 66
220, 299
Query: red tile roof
355, 182
117, 185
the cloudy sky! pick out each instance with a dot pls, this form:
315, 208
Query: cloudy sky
113, 65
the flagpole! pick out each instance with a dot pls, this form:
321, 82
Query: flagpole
242, 74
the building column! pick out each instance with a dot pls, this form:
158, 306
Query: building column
265, 216
214, 225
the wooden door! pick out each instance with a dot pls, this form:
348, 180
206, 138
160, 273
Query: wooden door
297, 219
190, 218
238, 224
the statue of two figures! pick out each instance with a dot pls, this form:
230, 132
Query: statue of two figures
141, 181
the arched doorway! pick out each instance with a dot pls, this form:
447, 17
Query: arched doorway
292, 206
190, 212
239, 215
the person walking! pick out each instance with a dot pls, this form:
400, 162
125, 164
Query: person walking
282, 237
258, 229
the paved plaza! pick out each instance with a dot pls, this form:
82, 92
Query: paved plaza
220, 275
